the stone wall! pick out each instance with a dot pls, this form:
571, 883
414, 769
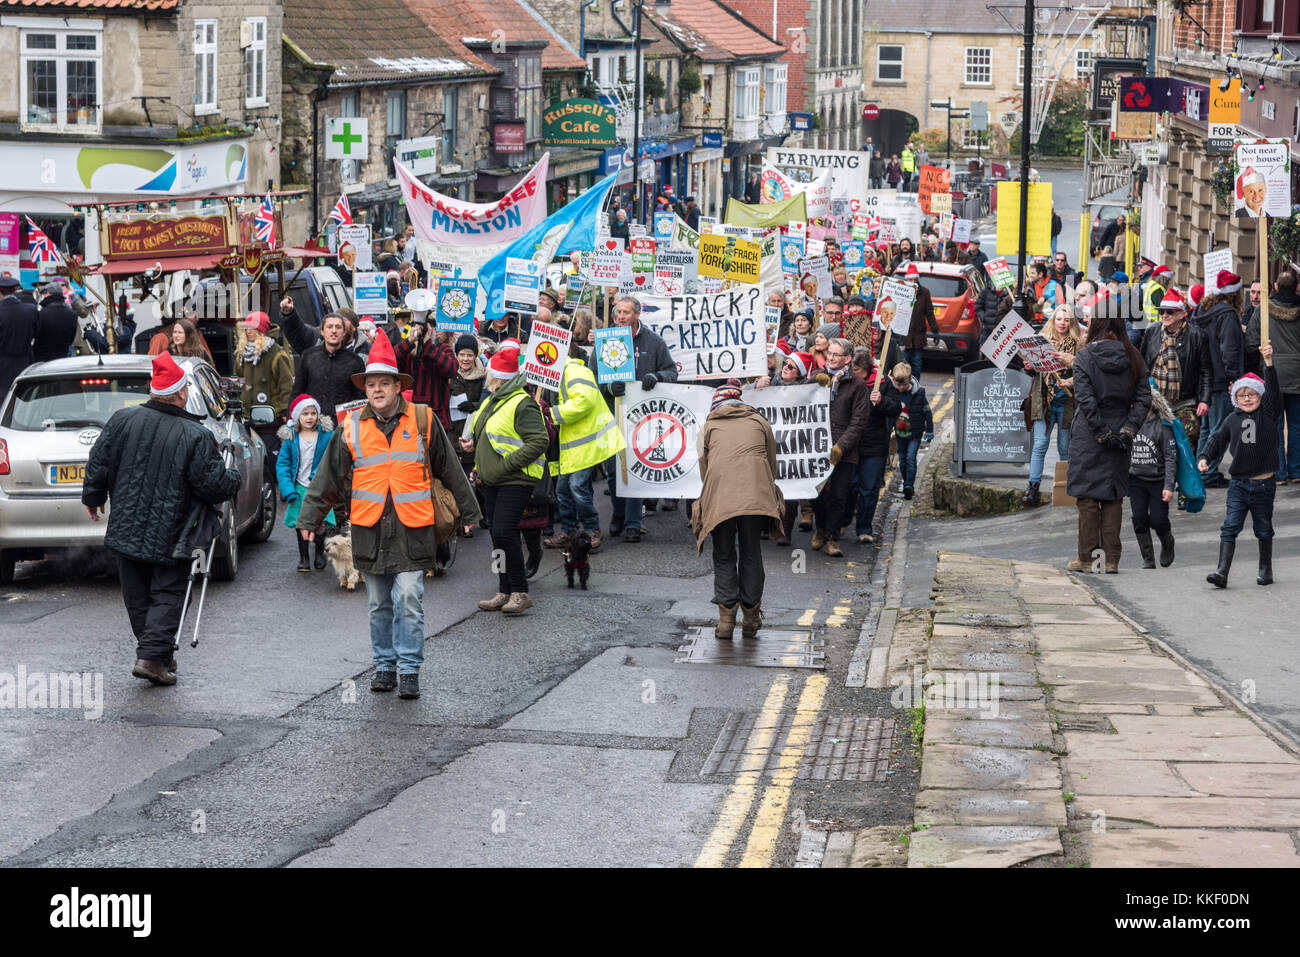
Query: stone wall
1192, 215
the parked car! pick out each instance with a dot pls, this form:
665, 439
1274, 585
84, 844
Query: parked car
52, 416
954, 290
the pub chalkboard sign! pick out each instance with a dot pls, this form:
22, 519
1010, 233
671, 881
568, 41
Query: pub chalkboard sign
990, 425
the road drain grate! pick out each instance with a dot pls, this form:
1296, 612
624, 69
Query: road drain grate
770, 649
839, 749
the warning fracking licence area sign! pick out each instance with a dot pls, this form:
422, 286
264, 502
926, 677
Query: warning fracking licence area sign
548, 349
661, 428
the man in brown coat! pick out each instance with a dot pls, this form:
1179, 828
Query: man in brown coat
739, 499
922, 316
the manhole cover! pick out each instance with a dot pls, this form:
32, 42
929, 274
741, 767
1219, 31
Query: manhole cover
839, 749
769, 649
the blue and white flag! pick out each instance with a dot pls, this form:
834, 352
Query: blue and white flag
571, 228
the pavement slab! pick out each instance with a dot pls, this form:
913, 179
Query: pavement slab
1214, 812
1183, 747
1118, 692
1200, 725
960, 766
1242, 780
996, 734
981, 846
1137, 778
1172, 847
958, 806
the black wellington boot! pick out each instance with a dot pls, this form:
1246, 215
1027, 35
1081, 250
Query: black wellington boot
1166, 547
320, 552
1219, 578
1147, 548
1265, 563
304, 555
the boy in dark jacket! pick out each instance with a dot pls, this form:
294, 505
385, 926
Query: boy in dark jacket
914, 420
1250, 434
1153, 473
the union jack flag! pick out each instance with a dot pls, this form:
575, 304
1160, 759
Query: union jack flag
264, 223
342, 212
41, 246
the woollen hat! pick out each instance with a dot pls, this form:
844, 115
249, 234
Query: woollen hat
728, 392
1227, 282
299, 405
259, 321
168, 378
1119, 276
1249, 381
381, 361
466, 341
831, 330
1196, 294
504, 364
1173, 301
803, 361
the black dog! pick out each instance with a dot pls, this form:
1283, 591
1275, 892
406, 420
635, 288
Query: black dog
576, 559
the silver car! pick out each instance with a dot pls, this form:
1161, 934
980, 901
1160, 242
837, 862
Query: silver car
52, 416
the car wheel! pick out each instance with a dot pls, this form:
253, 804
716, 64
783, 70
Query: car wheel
225, 563
7, 563
261, 529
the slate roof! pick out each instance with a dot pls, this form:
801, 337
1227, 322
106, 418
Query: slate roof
478, 21
712, 31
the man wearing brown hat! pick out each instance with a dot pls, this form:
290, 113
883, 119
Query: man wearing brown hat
383, 461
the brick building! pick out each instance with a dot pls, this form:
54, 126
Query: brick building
151, 100
379, 60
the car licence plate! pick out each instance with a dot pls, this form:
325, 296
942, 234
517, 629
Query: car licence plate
68, 474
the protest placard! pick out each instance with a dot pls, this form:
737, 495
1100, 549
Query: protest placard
1000, 346
660, 427
940, 203
615, 355
688, 259
358, 237
945, 226
607, 262
894, 307
801, 422
1216, 261
523, 285
663, 223
370, 294
714, 335
815, 277
1263, 183
708, 224
725, 257
643, 255
1039, 354
456, 301
933, 179
854, 253
792, 250
669, 280
772, 324
545, 354
961, 230
1000, 273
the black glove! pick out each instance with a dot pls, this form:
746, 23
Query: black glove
226, 445
649, 381
1125, 439
617, 388
1106, 437
467, 405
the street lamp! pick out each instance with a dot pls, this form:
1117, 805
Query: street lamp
961, 114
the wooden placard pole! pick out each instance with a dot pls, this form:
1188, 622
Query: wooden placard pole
1264, 284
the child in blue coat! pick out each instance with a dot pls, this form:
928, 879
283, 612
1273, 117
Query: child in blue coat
304, 440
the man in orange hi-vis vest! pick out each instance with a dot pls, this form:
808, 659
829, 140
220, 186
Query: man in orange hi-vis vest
381, 459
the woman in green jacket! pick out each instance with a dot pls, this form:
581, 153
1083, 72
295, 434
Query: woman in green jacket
509, 444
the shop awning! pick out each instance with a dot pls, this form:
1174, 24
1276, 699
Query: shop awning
134, 267
307, 252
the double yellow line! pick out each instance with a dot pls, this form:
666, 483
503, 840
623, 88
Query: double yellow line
775, 799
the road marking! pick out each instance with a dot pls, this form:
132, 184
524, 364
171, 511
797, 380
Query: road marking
806, 619
944, 408
771, 812
740, 797
837, 619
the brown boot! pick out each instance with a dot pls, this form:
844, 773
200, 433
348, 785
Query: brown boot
1112, 518
805, 516
753, 620
833, 549
1089, 529
495, 603
519, 602
726, 625
818, 540
154, 671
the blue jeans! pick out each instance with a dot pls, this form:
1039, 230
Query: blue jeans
397, 620
1289, 465
574, 502
1256, 497
1220, 409
913, 358
870, 477
907, 449
1042, 435
631, 510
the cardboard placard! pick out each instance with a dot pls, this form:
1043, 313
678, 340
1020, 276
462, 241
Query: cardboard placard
615, 355
523, 285
1263, 184
1000, 273
894, 307
1000, 346
456, 301
714, 336
545, 353
370, 294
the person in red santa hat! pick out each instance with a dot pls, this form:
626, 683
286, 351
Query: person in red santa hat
156, 461
509, 442
384, 458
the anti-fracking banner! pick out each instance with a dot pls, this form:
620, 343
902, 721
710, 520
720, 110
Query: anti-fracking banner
794, 208
469, 234
715, 336
800, 416
775, 187
848, 169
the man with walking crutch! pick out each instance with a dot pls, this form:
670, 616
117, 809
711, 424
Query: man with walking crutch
152, 496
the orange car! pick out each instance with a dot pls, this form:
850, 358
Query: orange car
954, 290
